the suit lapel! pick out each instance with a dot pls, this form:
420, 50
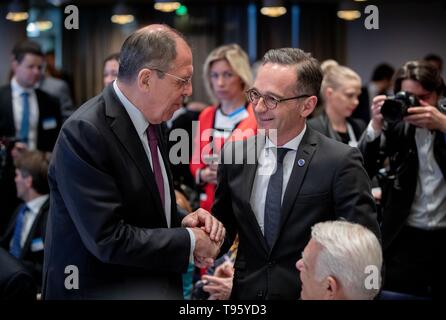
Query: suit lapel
33, 230
165, 155
305, 153
249, 174
9, 127
126, 133
6, 239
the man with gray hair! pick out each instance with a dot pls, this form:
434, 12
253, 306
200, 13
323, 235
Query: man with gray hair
113, 228
342, 261
297, 178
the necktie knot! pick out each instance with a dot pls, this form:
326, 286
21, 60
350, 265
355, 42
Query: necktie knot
152, 134
25, 94
281, 153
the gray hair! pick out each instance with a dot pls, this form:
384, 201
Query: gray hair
309, 74
348, 249
236, 58
144, 48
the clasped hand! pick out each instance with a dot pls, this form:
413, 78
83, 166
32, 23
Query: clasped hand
209, 235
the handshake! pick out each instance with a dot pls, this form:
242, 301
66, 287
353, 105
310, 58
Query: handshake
209, 236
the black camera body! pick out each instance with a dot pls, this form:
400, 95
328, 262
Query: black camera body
395, 107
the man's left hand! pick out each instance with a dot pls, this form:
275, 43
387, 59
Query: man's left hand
428, 117
207, 222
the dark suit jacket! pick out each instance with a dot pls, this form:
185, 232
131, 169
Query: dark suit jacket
49, 108
31, 255
399, 192
332, 184
15, 281
106, 217
321, 123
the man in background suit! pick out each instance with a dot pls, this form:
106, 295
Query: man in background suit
112, 207
27, 114
25, 234
291, 178
16, 284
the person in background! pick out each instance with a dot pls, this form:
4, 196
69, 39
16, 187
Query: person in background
111, 68
381, 83
435, 60
58, 88
25, 234
227, 75
414, 185
340, 89
342, 261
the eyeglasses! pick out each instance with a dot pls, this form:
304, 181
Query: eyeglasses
181, 81
270, 102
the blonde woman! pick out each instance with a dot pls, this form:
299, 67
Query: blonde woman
227, 75
340, 89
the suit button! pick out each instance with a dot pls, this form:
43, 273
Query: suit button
260, 293
271, 263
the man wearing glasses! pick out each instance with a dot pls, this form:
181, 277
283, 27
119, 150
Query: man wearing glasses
298, 178
113, 229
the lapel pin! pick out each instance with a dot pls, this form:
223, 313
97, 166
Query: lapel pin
301, 162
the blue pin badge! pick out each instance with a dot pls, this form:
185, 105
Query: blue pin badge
301, 162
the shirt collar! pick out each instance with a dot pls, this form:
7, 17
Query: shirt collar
17, 89
35, 204
140, 123
293, 144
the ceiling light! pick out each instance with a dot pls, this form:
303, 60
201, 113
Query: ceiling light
166, 5
348, 11
122, 14
273, 8
17, 11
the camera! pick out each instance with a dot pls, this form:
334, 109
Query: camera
395, 107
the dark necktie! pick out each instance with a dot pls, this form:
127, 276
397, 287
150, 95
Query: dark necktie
156, 167
24, 127
15, 249
273, 199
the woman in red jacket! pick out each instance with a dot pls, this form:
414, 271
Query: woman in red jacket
227, 75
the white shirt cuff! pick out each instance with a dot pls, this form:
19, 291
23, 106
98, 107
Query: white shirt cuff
192, 245
371, 134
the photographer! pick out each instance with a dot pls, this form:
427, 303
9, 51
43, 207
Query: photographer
414, 189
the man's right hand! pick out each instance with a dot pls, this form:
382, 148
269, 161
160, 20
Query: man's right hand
209, 174
377, 117
205, 248
206, 221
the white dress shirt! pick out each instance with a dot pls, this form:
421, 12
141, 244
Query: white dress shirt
141, 126
34, 207
429, 205
17, 110
267, 167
